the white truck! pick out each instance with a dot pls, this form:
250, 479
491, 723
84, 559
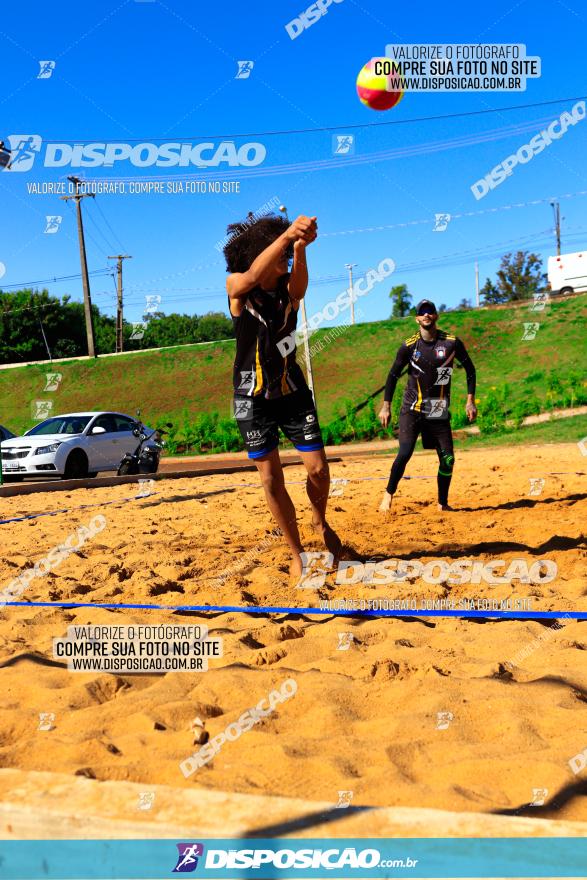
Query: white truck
568, 273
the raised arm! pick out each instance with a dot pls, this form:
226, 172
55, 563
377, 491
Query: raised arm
239, 284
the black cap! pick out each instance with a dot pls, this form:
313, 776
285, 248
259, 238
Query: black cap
426, 302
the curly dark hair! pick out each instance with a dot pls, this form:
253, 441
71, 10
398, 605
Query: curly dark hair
248, 239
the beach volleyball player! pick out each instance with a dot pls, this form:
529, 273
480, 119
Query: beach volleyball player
270, 391
429, 356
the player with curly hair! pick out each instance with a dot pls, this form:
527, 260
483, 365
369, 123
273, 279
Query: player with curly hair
270, 391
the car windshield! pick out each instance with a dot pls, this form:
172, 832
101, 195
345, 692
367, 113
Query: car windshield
61, 425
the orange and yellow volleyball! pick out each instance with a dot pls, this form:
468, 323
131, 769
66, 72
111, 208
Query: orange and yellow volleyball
371, 86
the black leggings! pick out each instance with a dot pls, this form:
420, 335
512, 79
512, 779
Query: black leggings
446, 462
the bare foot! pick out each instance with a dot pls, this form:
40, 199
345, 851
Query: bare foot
296, 568
331, 540
385, 505
444, 507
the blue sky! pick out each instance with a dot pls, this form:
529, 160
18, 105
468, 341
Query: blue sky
166, 72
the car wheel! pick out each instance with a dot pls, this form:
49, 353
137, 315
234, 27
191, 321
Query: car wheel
566, 291
13, 479
76, 466
93, 474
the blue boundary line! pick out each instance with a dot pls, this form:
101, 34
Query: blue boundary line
274, 609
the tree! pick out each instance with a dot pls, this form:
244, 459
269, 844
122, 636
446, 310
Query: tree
465, 304
401, 300
442, 308
519, 277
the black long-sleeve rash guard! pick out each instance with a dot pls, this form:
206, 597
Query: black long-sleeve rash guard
430, 366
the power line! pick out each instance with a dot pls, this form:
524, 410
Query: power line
55, 280
105, 219
340, 127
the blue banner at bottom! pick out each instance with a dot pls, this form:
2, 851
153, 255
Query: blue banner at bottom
287, 858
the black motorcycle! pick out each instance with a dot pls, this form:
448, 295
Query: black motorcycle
144, 459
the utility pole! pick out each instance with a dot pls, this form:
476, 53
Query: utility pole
350, 267
84, 262
477, 282
557, 226
119, 336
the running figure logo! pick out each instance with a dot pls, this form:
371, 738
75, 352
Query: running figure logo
441, 222
443, 720
41, 409
315, 567
530, 330
244, 69
243, 408
46, 71
443, 375
343, 145
437, 409
53, 223
344, 800
46, 720
23, 149
187, 860
540, 301
536, 486
539, 795
52, 381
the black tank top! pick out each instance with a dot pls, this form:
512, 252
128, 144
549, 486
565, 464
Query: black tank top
260, 366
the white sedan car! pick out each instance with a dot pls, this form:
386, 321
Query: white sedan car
71, 446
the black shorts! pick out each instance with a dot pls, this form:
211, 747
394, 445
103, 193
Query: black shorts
436, 432
259, 421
